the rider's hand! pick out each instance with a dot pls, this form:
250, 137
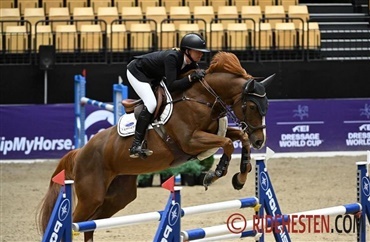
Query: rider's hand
197, 75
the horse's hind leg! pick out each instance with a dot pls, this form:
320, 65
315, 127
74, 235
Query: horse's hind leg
121, 192
90, 192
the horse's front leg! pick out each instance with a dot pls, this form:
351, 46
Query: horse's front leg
220, 171
202, 141
240, 178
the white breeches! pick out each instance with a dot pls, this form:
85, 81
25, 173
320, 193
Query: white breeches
144, 91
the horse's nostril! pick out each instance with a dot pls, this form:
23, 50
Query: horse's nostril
259, 143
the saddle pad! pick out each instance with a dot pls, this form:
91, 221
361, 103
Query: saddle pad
127, 122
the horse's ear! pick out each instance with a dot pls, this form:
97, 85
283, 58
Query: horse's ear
250, 86
265, 82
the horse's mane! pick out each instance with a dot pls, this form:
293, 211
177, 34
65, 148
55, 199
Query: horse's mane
227, 62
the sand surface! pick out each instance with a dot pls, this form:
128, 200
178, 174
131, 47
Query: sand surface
300, 183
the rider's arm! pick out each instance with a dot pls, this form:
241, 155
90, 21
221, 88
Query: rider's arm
174, 84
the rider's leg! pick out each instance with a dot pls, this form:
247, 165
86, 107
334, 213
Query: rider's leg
143, 121
144, 91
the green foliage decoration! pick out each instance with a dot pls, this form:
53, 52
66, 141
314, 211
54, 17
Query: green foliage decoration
194, 166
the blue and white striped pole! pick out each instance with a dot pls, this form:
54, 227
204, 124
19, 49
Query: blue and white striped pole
120, 92
156, 216
218, 230
227, 236
79, 91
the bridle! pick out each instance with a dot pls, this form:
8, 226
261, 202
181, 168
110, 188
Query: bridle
227, 110
244, 125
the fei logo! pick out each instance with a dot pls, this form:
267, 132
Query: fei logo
364, 127
301, 128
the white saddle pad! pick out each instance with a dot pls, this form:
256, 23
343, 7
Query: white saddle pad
127, 122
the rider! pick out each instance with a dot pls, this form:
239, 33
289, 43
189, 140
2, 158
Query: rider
145, 72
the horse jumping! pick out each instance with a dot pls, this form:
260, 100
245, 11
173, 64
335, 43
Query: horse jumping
104, 174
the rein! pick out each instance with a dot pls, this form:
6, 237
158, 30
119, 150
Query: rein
227, 110
246, 128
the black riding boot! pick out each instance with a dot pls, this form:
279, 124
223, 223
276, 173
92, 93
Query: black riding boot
143, 121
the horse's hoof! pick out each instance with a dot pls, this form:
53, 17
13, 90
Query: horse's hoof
236, 184
208, 179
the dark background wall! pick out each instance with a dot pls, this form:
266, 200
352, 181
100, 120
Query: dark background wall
295, 80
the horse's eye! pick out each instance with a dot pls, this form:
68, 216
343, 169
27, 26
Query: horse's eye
252, 106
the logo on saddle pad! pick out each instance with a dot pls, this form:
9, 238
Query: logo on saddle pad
127, 122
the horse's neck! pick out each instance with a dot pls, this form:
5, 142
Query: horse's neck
227, 86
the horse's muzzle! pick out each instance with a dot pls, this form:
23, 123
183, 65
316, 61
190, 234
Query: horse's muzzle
257, 142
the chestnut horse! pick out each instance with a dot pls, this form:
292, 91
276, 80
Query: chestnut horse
104, 174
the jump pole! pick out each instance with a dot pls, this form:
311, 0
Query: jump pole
156, 216
249, 231
120, 92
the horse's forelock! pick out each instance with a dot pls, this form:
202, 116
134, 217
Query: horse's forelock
227, 62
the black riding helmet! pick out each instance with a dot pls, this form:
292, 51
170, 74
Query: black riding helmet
193, 41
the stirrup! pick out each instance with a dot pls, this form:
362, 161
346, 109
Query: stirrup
136, 152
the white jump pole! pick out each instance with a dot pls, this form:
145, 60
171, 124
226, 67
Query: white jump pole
156, 216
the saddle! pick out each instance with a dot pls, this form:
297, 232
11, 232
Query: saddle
136, 105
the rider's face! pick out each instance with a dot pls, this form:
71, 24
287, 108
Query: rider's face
196, 55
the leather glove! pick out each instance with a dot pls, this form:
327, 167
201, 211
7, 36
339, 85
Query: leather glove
197, 75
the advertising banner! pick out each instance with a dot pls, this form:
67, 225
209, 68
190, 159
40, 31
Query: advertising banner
44, 131
319, 125
47, 131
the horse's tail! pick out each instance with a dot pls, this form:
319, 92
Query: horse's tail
47, 203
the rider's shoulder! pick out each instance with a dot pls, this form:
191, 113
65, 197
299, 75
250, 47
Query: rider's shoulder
173, 54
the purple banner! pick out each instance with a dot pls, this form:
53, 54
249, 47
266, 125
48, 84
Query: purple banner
35, 131
46, 131
318, 125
